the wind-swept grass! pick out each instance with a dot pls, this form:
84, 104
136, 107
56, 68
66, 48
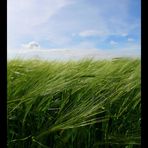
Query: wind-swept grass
75, 104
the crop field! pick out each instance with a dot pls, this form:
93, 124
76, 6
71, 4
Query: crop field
74, 104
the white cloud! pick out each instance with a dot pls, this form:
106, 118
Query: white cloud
130, 39
113, 42
124, 34
88, 33
31, 45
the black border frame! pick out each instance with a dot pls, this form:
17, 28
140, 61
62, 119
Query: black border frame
144, 75
3, 74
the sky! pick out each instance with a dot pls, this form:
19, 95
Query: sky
73, 29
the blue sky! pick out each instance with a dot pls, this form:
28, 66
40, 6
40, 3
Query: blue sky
74, 28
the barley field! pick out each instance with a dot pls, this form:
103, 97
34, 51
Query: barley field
74, 104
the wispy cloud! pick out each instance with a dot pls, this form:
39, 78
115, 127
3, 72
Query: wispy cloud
28, 18
33, 12
124, 34
113, 42
88, 33
130, 39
